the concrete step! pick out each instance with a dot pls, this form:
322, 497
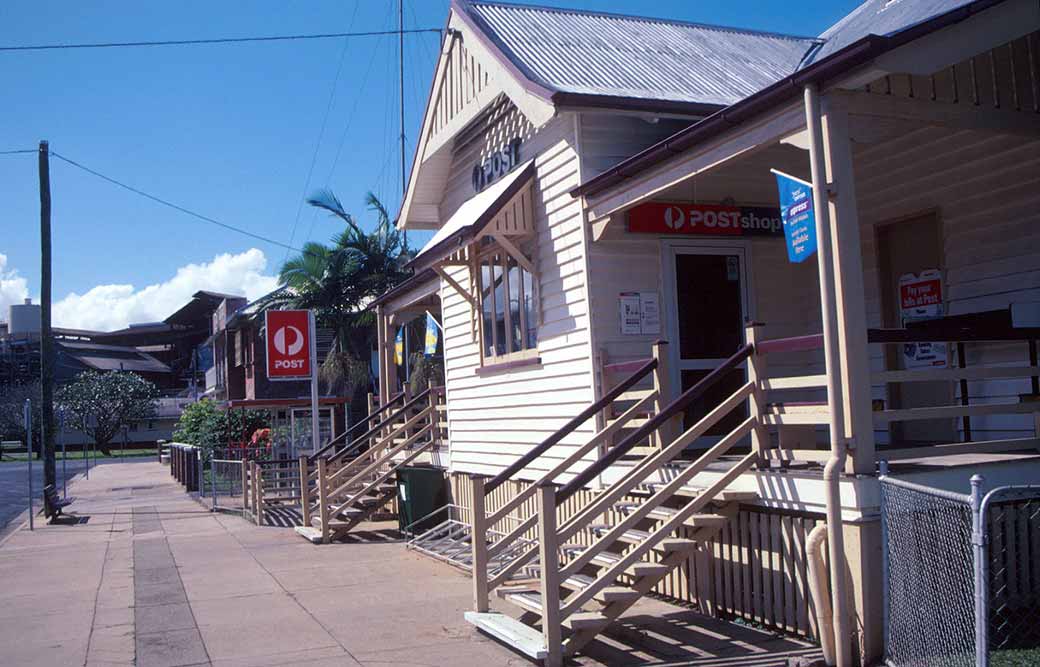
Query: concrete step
511, 632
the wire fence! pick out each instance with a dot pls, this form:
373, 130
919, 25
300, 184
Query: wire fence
962, 575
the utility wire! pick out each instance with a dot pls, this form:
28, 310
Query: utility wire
176, 207
20, 151
321, 133
219, 40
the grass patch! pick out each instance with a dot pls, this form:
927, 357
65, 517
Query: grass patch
79, 455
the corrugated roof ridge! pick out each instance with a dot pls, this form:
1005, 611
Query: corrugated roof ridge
649, 19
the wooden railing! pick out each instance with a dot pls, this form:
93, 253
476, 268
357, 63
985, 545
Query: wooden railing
346, 435
483, 524
269, 482
554, 540
796, 421
333, 485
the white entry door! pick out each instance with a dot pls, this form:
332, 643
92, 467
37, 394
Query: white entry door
709, 304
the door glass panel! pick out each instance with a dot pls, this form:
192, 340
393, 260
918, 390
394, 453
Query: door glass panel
722, 390
710, 311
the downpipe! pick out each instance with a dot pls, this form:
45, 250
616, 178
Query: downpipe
820, 589
839, 616
841, 644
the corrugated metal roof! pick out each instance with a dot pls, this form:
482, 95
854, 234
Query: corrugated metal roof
882, 18
625, 56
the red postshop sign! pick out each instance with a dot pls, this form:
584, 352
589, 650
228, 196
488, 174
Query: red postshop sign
705, 219
288, 344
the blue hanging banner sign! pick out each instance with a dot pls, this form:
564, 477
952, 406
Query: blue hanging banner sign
798, 215
431, 335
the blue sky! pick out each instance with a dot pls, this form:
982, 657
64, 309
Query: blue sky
227, 130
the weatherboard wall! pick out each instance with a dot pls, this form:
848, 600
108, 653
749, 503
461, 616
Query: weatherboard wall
985, 189
494, 417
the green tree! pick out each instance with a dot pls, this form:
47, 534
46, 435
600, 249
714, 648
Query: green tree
12, 412
205, 424
100, 404
338, 281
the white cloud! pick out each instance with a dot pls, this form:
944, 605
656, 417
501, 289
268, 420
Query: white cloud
109, 307
13, 287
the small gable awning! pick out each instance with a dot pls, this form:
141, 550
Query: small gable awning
503, 209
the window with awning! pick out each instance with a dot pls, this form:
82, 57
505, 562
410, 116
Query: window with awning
492, 236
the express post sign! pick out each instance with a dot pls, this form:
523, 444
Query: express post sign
289, 340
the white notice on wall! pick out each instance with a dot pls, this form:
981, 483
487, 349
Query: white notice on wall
650, 313
628, 304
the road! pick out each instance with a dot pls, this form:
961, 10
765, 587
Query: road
14, 489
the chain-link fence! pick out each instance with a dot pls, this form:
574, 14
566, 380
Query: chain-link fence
1012, 575
224, 483
962, 575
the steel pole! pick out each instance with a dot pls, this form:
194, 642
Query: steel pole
29, 454
978, 543
315, 439
64, 457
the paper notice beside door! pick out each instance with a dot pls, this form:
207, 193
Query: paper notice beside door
650, 313
628, 303
640, 313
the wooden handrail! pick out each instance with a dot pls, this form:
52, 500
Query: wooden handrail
948, 334
586, 414
654, 423
793, 344
362, 439
625, 366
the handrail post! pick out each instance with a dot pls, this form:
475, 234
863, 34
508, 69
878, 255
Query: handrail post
550, 566
756, 372
245, 484
323, 502
258, 486
434, 420
663, 386
478, 543
305, 494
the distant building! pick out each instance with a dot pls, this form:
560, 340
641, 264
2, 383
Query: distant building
172, 353
238, 377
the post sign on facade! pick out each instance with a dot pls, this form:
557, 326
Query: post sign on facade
640, 313
704, 219
288, 344
921, 298
798, 215
496, 165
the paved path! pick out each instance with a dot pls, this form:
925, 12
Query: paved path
153, 579
14, 488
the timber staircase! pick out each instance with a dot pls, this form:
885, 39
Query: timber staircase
343, 487
596, 556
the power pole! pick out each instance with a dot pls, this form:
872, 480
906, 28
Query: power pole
400, 42
46, 337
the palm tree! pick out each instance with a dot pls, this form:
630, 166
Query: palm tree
338, 282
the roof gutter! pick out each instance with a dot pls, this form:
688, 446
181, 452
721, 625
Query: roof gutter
858, 53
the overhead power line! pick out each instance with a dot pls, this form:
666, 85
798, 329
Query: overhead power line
219, 40
20, 151
176, 207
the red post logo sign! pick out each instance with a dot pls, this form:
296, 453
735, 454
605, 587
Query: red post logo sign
288, 344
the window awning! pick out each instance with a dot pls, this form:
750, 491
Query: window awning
504, 208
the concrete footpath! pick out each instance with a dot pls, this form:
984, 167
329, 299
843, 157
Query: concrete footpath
149, 577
